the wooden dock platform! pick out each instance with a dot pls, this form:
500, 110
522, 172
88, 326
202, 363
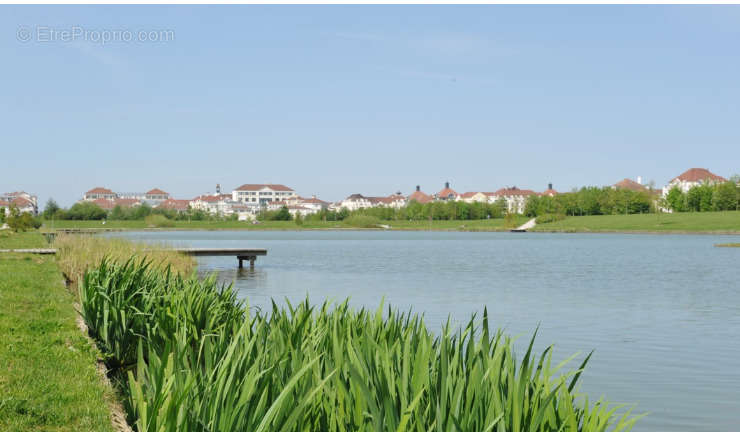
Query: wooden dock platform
241, 254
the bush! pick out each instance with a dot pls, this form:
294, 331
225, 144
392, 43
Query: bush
158, 221
83, 211
197, 360
18, 221
549, 217
362, 221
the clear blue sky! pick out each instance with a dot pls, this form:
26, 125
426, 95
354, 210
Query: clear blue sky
368, 99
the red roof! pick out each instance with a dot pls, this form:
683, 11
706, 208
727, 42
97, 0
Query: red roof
21, 202
420, 197
212, 198
446, 192
4, 204
630, 184
104, 203
699, 174
100, 190
174, 204
156, 191
469, 194
514, 191
313, 200
256, 187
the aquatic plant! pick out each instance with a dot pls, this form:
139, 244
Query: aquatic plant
195, 359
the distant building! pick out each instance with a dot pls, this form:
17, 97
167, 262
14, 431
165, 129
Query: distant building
23, 201
156, 195
175, 204
446, 194
214, 204
419, 196
262, 193
356, 202
99, 193
471, 197
550, 191
691, 178
515, 198
630, 185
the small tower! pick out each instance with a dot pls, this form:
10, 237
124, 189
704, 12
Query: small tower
218, 189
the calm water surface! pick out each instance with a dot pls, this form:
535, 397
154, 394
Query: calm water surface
662, 312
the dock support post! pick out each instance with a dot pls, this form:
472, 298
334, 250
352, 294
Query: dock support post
251, 260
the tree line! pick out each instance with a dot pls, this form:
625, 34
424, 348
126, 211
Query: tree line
705, 197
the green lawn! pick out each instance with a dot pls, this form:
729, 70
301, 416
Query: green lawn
474, 225
728, 222
48, 380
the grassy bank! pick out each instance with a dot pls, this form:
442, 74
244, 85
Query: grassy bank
732, 245
721, 222
48, 378
441, 225
197, 360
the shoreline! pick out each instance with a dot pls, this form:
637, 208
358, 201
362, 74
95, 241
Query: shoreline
481, 230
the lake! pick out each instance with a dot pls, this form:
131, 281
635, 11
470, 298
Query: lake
662, 312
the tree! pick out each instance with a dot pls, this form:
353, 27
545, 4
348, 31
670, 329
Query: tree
676, 199
283, 214
51, 209
725, 197
18, 221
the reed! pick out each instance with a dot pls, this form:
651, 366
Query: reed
197, 360
79, 253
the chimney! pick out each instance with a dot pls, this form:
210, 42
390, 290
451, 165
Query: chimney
218, 189
418, 188
639, 179
549, 186
447, 185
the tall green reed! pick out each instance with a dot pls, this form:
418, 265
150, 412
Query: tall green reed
195, 359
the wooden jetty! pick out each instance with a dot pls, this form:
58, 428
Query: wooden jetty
241, 254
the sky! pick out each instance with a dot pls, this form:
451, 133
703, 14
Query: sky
335, 100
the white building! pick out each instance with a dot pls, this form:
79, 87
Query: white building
99, 193
691, 178
23, 201
356, 202
215, 204
515, 198
471, 197
262, 193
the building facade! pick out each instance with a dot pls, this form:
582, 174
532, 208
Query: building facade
262, 193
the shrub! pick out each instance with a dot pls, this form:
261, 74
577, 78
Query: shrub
362, 221
549, 217
18, 221
158, 221
197, 360
83, 211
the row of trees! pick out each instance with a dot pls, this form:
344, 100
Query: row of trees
90, 211
705, 197
592, 201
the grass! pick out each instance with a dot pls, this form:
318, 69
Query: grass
441, 225
197, 360
21, 240
731, 245
720, 222
78, 253
48, 377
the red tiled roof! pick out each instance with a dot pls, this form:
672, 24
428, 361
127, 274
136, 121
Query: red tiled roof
514, 191
126, 202
630, 184
174, 204
4, 204
699, 174
256, 187
156, 191
99, 190
21, 202
104, 203
468, 194
420, 197
312, 201
212, 198
446, 192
